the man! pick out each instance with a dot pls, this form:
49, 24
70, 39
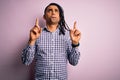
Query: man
52, 46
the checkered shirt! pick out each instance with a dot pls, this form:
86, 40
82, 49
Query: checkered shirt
51, 52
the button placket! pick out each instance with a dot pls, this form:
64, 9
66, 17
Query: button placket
52, 53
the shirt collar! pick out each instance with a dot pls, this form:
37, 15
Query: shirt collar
45, 29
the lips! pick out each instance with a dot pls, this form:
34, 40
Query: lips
53, 17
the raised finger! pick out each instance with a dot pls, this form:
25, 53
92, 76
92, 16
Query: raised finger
74, 27
37, 22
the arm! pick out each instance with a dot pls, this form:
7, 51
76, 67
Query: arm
28, 54
73, 54
73, 43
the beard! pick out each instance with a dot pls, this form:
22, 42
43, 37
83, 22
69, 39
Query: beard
52, 21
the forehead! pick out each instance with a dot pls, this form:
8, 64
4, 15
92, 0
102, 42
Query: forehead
52, 7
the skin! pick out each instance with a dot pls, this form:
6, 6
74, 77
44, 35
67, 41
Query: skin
52, 19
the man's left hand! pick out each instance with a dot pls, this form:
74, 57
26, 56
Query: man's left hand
75, 35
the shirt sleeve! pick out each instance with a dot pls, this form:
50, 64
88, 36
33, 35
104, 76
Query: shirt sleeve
73, 53
28, 54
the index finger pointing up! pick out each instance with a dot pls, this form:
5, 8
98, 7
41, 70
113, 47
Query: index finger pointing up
37, 22
74, 27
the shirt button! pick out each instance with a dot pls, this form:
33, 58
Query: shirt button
52, 71
52, 39
52, 54
51, 63
52, 67
52, 46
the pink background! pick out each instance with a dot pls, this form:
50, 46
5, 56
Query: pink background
98, 20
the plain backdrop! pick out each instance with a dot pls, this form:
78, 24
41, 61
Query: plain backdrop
98, 20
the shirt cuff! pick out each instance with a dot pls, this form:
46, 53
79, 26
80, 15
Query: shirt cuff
31, 46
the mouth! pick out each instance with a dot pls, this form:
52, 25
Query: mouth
53, 17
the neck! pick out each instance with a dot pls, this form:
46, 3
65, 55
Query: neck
52, 28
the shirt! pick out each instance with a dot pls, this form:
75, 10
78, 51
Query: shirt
51, 52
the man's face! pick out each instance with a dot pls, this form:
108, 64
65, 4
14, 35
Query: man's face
52, 15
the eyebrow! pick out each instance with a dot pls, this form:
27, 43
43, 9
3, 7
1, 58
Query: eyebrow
51, 9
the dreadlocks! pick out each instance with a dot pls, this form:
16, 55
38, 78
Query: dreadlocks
62, 22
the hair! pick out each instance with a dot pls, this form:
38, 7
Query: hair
63, 25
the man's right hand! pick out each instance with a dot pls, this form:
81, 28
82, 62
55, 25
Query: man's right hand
35, 32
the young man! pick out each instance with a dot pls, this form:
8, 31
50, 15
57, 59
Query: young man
52, 46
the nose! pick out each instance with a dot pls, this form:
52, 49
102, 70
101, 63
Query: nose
53, 12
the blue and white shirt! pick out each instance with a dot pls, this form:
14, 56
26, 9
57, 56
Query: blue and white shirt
51, 52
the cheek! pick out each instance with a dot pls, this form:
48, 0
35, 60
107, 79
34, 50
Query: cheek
47, 15
58, 18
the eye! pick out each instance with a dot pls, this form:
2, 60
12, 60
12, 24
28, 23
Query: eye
56, 10
49, 10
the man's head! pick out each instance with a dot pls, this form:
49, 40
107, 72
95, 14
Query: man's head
54, 14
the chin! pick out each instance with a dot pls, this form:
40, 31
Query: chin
54, 22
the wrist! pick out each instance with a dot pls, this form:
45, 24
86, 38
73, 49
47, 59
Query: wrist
75, 44
31, 42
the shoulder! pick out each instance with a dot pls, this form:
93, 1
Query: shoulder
67, 35
42, 35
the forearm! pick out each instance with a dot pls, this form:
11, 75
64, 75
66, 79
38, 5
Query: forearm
73, 56
28, 54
